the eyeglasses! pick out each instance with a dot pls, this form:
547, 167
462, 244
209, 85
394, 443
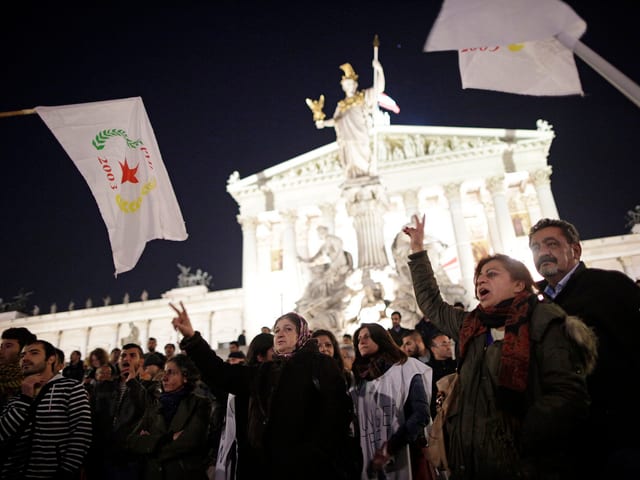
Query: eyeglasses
443, 344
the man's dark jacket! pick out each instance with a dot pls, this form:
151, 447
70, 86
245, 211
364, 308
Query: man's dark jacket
609, 302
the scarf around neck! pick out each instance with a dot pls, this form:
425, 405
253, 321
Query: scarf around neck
514, 314
170, 402
372, 367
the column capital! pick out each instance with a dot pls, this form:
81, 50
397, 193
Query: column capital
410, 196
327, 209
289, 217
365, 198
541, 176
247, 222
452, 190
495, 184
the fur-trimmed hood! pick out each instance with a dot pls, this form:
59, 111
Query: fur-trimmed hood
584, 337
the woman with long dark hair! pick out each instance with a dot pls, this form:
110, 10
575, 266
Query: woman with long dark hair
236, 459
328, 344
391, 394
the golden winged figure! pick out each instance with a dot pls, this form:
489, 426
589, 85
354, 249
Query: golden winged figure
316, 107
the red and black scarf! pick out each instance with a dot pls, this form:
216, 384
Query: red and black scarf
514, 314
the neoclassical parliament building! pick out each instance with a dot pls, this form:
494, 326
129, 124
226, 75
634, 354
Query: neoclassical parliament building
480, 188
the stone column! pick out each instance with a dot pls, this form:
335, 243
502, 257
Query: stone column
263, 248
494, 234
290, 276
210, 326
541, 180
266, 286
116, 342
411, 205
366, 203
533, 208
304, 237
463, 242
249, 273
58, 341
495, 185
147, 328
87, 340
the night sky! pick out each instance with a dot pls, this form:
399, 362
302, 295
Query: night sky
224, 88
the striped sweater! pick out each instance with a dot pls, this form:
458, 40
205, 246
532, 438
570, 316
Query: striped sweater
55, 442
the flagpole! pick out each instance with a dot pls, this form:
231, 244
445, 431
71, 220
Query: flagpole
376, 44
615, 77
376, 111
15, 113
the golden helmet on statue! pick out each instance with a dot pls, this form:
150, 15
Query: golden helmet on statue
349, 73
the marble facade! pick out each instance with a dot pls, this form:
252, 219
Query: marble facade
480, 189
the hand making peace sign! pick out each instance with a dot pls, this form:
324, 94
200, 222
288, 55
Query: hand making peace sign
182, 322
416, 233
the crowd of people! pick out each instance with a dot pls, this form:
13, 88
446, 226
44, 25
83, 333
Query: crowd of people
534, 363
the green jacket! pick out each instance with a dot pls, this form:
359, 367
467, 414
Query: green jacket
488, 442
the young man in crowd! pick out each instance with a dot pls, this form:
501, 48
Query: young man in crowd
169, 351
397, 330
116, 418
45, 431
13, 341
413, 345
75, 369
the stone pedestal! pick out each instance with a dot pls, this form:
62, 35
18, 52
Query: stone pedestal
366, 203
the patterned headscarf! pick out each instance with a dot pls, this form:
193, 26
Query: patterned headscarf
302, 327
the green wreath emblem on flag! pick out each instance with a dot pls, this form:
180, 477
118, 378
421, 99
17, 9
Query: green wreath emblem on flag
125, 205
104, 135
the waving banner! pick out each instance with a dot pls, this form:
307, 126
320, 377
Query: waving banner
113, 145
511, 45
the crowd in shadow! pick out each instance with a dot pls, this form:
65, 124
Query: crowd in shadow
541, 388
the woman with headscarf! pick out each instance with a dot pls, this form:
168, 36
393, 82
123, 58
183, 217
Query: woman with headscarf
522, 391
391, 394
172, 435
299, 411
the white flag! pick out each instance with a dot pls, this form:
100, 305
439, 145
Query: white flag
113, 145
510, 45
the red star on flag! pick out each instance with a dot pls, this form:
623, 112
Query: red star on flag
128, 173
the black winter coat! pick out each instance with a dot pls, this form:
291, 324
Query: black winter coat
609, 302
299, 410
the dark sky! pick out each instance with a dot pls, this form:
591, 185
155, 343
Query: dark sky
224, 88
